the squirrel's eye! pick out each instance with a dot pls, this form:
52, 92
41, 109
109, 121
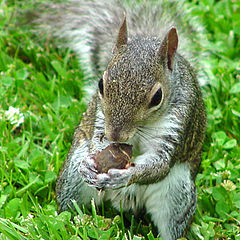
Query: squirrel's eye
100, 86
156, 99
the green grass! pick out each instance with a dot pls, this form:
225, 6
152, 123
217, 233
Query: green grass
45, 84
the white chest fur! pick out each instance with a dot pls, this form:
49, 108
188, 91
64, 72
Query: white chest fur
136, 196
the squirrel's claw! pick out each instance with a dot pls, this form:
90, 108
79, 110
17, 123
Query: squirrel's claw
88, 171
115, 179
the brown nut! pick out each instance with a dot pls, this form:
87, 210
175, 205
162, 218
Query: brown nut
116, 155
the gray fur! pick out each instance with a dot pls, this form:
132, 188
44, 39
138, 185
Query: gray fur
90, 28
166, 138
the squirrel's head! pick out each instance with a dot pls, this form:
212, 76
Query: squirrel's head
135, 87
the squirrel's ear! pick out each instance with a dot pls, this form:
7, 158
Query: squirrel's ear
122, 37
169, 46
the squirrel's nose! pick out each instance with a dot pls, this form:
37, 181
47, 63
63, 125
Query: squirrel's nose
116, 135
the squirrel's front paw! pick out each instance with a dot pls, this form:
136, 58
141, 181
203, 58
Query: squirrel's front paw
91, 175
115, 178
88, 170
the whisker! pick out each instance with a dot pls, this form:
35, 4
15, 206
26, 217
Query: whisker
142, 134
149, 128
145, 140
146, 133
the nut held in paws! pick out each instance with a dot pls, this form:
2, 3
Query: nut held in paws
116, 155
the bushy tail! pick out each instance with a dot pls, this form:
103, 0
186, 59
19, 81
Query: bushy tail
87, 27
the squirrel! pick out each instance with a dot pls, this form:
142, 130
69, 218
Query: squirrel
147, 95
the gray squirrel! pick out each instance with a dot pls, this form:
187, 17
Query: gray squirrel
147, 95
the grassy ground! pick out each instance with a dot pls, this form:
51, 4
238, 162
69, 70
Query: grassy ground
44, 83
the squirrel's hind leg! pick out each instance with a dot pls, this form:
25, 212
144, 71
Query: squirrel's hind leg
172, 202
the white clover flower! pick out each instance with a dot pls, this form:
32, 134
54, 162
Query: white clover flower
228, 185
14, 116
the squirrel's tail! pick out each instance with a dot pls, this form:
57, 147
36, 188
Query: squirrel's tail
90, 27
